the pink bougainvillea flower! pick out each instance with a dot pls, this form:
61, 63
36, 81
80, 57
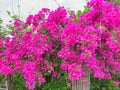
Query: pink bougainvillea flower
55, 74
116, 83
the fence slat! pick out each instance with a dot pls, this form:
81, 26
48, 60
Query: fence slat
78, 84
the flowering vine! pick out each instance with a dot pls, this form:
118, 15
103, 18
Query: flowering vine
51, 39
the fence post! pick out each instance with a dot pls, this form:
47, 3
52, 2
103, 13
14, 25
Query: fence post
78, 84
9, 83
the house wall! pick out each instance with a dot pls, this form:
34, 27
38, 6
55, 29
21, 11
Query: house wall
26, 7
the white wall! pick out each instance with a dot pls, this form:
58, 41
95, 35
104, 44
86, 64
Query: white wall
33, 6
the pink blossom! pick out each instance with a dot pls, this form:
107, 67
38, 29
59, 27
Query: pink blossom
40, 78
55, 74
116, 83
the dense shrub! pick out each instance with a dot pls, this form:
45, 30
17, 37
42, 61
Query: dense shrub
50, 40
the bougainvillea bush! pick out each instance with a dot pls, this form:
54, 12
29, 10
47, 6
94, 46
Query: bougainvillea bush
50, 40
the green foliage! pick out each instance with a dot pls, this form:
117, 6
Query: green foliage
18, 81
60, 83
79, 12
104, 84
117, 2
13, 17
2, 81
4, 30
87, 8
1, 21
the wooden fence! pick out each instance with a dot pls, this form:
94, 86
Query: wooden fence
82, 84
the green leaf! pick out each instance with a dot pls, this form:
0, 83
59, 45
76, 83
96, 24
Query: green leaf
72, 11
79, 13
15, 17
1, 21
9, 13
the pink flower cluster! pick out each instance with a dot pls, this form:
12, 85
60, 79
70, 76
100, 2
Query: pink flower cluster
92, 44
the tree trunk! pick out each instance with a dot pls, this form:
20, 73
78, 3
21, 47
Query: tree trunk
78, 85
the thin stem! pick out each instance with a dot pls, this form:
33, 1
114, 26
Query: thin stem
57, 3
32, 7
13, 8
19, 13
